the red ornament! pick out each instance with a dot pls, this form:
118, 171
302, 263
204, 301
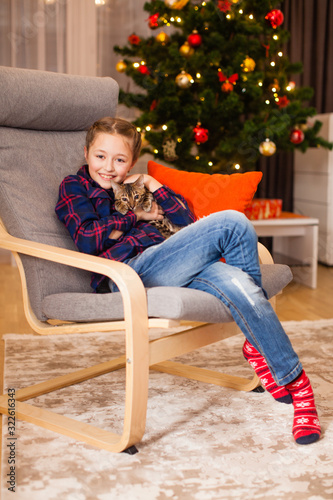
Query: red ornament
296, 136
200, 134
153, 21
283, 101
228, 83
143, 69
224, 5
275, 17
194, 39
134, 39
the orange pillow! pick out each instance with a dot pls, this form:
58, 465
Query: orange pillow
207, 193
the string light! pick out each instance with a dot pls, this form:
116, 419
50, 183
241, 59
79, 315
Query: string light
272, 63
260, 84
148, 128
267, 101
251, 17
164, 127
210, 163
156, 151
136, 65
197, 157
237, 166
198, 75
280, 54
98, 2
275, 37
179, 139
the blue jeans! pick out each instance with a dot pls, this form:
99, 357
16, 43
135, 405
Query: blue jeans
191, 258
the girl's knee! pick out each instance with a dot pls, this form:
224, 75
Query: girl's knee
233, 217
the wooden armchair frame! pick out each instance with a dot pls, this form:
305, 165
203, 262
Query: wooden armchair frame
141, 354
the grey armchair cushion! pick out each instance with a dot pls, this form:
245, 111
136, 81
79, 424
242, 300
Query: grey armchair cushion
42, 100
164, 302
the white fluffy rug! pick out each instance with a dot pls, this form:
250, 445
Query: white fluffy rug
202, 442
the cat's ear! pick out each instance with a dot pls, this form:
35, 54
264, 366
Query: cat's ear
115, 186
140, 181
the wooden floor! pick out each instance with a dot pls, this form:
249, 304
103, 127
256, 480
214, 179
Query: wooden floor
297, 302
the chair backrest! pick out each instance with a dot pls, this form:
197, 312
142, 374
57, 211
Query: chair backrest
43, 118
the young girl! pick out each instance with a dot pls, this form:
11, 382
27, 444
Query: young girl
189, 258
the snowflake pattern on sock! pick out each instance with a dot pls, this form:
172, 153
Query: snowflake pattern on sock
259, 365
306, 426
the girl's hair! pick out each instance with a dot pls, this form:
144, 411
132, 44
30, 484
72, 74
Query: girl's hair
115, 126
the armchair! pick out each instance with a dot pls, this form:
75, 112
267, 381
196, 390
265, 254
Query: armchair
43, 118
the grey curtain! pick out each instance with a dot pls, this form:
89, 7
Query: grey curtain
310, 23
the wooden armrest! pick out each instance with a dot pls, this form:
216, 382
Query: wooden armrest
264, 255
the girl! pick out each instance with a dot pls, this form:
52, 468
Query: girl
189, 258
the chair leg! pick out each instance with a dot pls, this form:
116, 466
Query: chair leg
209, 376
136, 363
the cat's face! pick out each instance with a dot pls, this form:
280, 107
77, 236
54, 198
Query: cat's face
128, 196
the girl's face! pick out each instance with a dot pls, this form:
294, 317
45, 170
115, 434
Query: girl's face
109, 158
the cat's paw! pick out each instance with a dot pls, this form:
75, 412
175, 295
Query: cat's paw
147, 206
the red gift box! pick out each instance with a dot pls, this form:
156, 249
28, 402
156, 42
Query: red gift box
262, 208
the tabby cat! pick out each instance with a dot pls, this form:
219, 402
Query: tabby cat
133, 195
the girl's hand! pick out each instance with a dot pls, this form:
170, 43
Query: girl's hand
149, 181
156, 213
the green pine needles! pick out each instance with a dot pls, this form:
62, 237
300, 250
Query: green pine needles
217, 89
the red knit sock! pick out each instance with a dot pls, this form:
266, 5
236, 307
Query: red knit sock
306, 427
258, 363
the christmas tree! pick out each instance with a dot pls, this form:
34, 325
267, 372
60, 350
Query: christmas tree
217, 89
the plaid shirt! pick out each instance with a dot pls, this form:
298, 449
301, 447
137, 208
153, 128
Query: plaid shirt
88, 212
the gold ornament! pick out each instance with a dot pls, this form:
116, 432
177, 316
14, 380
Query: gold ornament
162, 38
274, 87
184, 80
267, 148
176, 4
186, 50
121, 66
248, 64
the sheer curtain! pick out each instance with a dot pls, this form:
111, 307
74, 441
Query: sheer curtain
33, 34
52, 35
